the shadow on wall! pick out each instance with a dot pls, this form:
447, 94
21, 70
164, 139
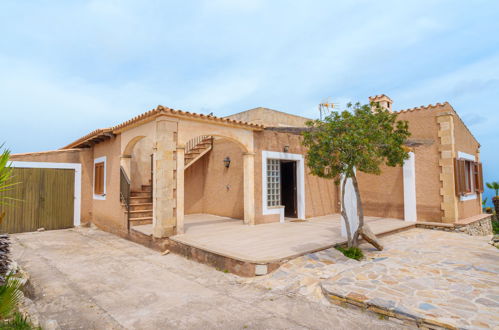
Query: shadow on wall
213, 188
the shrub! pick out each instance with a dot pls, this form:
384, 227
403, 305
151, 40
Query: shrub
351, 252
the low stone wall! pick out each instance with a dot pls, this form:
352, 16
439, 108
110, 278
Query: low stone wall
481, 226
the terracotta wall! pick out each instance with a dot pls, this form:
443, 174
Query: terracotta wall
466, 143
423, 126
212, 188
383, 195
81, 156
321, 197
109, 214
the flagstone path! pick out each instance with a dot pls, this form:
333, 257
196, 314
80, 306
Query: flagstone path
427, 276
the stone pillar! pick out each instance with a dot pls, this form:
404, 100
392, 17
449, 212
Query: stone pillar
249, 187
409, 170
180, 189
447, 155
164, 217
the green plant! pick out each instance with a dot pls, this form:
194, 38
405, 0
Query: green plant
494, 186
495, 226
5, 178
10, 293
351, 252
17, 322
362, 138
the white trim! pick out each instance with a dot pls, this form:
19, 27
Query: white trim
77, 187
300, 182
99, 160
468, 197
463, 155
409, 170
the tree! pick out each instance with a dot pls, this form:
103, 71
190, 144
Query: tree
494, 186
495, 200
362, 138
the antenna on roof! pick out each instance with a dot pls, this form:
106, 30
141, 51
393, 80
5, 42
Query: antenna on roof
326, 106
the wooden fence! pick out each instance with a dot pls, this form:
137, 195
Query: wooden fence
44, 199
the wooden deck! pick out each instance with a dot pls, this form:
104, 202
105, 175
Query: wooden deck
269, 243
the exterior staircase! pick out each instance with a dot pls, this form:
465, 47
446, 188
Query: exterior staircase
197, 148
141, 206
140, 201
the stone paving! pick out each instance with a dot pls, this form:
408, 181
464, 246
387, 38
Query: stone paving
448, 279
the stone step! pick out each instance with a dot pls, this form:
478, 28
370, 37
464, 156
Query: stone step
139, 200
140, 206
140, 194
140, 214
146, 187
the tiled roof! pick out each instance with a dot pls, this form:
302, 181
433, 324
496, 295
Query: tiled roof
159, 110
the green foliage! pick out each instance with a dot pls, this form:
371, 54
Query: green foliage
5, 177
17, 322
360, 137
10, 293
494, 186
495, 226
351, 252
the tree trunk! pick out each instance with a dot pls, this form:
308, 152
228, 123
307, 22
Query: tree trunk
495, 200
344, 213
360, 211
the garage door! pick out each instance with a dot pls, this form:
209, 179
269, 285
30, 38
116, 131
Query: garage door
43, 198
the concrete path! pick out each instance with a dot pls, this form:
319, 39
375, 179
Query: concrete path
271, 242
89, 279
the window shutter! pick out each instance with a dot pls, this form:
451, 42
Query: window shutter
99, 179
459, 176
478, 178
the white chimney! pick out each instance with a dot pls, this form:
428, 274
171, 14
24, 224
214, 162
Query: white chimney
383, 101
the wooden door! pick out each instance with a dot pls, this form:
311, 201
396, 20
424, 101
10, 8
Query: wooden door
43, 198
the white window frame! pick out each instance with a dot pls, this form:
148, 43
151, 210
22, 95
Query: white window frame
102, 159
473, 195
300, 182
77, 185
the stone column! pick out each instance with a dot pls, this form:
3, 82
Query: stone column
249, 187
164, 219
447, 156
180, 189
409, 170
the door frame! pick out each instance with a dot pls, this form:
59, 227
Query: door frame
300, 182
77, 186
294, 190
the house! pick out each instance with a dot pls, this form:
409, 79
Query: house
165, 164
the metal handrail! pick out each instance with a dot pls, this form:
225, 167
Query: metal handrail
125, 193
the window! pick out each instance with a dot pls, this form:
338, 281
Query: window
100, 178
468, 177
273, 182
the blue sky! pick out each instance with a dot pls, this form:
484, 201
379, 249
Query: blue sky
68, 67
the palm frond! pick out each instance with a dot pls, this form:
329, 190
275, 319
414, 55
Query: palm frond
10, 294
